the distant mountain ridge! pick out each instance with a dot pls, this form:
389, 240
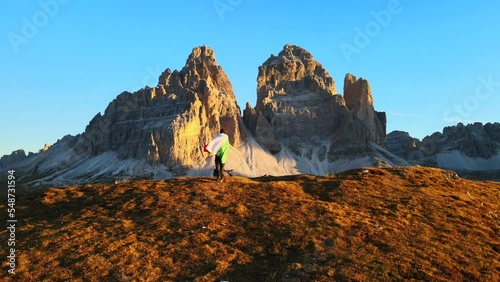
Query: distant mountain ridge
474, 147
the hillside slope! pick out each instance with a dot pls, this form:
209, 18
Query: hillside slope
362, 225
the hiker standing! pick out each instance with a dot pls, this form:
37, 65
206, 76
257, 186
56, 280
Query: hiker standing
220, 147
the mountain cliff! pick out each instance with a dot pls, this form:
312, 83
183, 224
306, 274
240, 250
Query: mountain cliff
300, 113
299, 125
462, 147
169, 124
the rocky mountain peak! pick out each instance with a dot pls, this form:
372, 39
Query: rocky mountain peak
359, 100
357, 94
402, 144
295, 52
168, 124
294, 71
202, 55
13, 158
473, 140
466, 147
298, 106
300, 124
293, 91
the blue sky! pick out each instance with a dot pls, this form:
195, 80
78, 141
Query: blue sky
430, 63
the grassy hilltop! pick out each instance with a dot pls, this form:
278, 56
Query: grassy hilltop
409, 223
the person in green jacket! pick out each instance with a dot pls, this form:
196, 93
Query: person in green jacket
220, 147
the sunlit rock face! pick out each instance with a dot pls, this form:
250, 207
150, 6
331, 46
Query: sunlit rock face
169, 124
300, 124
298, 106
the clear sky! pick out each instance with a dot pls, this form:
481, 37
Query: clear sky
430, 63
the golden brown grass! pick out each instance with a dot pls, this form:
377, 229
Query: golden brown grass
374, 225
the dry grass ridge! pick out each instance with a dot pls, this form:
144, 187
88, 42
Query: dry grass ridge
412, 224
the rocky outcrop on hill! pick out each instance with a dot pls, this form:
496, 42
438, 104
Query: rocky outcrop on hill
13, 158
169, 123
45, 148
493, 130
473, 140
466, 147
359, 101
297, 102
298, 108
402, 144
